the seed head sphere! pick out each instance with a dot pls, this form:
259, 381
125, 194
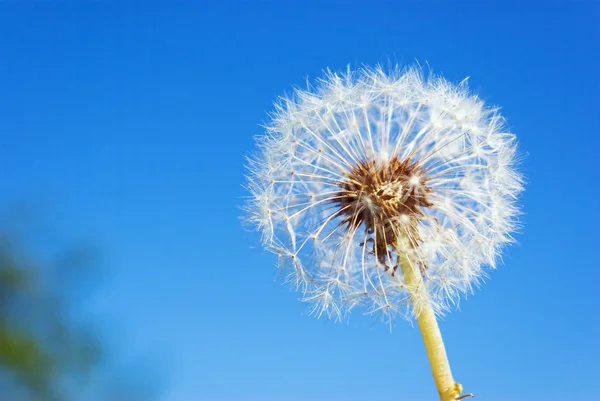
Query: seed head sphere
368, 167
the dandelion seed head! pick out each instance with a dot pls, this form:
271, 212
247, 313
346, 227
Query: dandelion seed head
370, 166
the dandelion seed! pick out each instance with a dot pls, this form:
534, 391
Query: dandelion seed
390, 191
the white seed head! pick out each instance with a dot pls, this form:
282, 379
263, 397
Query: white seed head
368, 165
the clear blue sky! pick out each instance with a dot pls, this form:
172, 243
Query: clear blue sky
130, 125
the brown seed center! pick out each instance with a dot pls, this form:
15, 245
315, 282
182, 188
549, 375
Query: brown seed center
387, 199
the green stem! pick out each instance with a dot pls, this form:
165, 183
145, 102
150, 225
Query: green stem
448, 389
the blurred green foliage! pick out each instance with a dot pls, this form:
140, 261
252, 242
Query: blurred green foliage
43, 350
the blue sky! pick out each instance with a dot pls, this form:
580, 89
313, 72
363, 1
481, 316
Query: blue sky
128, 126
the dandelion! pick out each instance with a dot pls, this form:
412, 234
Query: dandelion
386, 191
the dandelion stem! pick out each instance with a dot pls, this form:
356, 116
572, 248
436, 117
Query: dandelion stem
448, 389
